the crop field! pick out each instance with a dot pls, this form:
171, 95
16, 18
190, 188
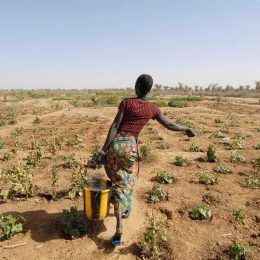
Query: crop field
195, 198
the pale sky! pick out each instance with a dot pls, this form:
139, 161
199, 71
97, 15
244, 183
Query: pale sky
100, 44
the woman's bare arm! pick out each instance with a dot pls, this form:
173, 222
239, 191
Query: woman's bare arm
163, 120
113, 129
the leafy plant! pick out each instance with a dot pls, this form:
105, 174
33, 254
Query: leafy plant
218, 120
222, 169
146, 153
34, 158
164, 177
239, 214
2, 143
239, 145
74, 224
92, 161
241, 135
163, 146
184, 122
236, 251
201, 212
54, 178
206, 179
257, 129
37, 120
253, 181
70, 161
17, 131
154, 234
256, 146
19, 180
194, 148
74, 140
256, 164
9, 226
237, 158
211, 154
157, 194
181, 161
217, 134
79, 175
8, 156
175, 103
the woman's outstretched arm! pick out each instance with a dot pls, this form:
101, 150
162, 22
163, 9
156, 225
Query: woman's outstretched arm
163, 120
113, 130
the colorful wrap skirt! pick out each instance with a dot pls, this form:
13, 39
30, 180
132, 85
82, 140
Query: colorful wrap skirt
122, 154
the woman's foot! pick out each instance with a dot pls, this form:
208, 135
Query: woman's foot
126, 213
116, 239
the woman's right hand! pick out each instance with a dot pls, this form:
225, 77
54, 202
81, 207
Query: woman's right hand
190, 132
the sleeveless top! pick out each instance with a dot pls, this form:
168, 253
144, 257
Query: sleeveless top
137, 113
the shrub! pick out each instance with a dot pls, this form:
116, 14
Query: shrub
74, 224
253, 181
9, 226
19, 180
239, 145
8, 156
218, 120
222, 169
181, 161
157, 194
194, 148
241, 135
239, 215
175, 103
79, 175
92, 160
183, 122
146, 153
206, 179
200, 212
256, 164
154, 234
37, 120
70, 161
164, 177
236, 251
256, 146
2, 143
211, 154
237, 158
161, 103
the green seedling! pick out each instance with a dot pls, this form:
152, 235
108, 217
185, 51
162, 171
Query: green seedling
206, 179
74, 224
237, 158
236, 251
239, 215
211, 154
157, 194
201, 212
253, 181
237, 145
222, 169
146, 153
9, 226
70, 161
194, 148
154, 234
181, 161
218, 120
8, 156
2, 144
256, 146
164, 177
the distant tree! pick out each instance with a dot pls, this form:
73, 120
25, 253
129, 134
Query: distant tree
158, 88
166, 88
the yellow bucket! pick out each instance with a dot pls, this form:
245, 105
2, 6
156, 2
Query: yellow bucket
97, 195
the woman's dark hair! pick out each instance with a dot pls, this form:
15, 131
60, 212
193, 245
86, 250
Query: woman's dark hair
144, 83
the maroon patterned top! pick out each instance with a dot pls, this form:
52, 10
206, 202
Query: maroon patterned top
137, 113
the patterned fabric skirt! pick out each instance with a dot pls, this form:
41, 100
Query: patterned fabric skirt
122, 154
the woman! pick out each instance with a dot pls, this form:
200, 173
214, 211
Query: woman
120, 148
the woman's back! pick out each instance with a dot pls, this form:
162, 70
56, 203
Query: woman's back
137, 113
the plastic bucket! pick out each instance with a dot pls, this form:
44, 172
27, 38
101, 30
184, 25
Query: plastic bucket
97, 195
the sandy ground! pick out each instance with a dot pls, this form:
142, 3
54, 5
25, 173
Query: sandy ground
188, 239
